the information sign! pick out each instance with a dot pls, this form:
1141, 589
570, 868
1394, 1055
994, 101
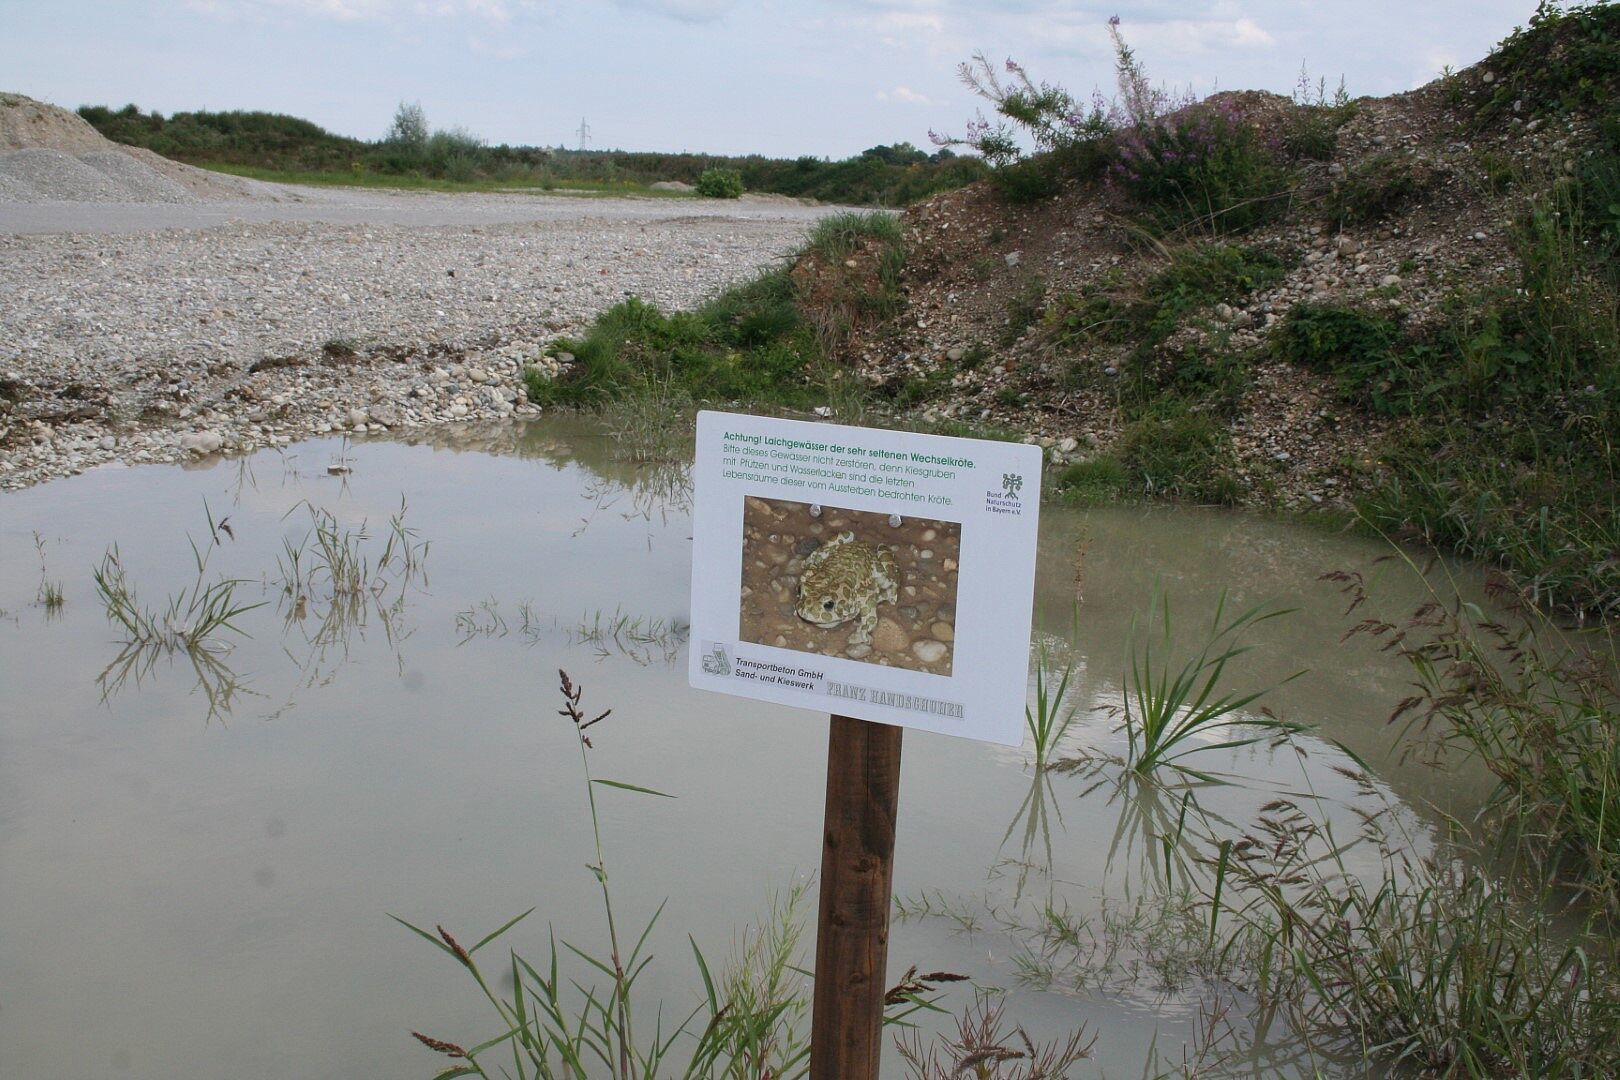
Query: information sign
876, 574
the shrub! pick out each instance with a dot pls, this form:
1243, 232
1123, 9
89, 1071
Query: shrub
1380, 186
1361, 350
1102, 479
1565, 60
1196, 277
720, 184
1313, 133
1181, 455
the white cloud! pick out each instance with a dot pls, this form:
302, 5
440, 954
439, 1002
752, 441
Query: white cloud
905, 94
687, 11
362, 10
907, 22
344, 10
493, 10
499, 50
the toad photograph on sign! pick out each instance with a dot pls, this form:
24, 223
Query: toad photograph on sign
878, 588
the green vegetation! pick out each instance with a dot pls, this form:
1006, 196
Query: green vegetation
1172, 712
1367, 950
770, 341
1174, 443
1443, 974
750, 1023
1565, 60
1197, 276
1204, 168
49, 595
1505, 450
270, 146
1190, 166
1380, 186
720, 184
1050, 716
1168, 453
191, 621
1540, 709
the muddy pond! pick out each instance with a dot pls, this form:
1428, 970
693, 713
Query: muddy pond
199, 850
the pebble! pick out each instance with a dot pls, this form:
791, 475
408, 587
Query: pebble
890, 636
929, 651
944, 631
165, 325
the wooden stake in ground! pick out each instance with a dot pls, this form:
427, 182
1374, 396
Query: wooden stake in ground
857, 873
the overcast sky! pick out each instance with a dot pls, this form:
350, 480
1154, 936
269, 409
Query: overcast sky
724, 76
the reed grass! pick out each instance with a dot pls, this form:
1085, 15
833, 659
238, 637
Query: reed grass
1049, 717
191, 619
332, 563
985, 1048
49, 595
1174, 710
637, 637
748, 1023
1429, 967
1538, 707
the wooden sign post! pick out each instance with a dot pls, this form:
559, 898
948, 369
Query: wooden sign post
925, 528
857, 874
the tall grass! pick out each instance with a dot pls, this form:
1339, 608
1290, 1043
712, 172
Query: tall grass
769, 342
749, 1019
1432, 969
1176, 709
1051, 714
190, 619
49, 595
1537, 707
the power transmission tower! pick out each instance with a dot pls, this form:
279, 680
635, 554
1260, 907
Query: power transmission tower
584, 133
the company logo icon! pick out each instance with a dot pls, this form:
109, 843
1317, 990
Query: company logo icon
1011, 483
715, 661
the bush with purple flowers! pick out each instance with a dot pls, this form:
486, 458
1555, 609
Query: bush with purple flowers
1203, 165
1188, 162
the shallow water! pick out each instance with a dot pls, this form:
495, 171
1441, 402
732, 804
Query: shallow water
197, 861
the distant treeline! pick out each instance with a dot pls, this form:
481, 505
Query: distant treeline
882, 176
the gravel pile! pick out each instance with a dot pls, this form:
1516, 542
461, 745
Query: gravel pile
50, 155
177, 344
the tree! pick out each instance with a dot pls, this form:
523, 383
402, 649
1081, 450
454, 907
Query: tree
410, 126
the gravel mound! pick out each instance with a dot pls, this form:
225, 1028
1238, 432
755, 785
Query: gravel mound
50, 155
25, 123
143, 182
59, 176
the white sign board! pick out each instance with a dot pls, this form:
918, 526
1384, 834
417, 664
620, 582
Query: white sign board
877, 574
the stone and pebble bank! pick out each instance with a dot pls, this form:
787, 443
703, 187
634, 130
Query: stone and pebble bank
173, 345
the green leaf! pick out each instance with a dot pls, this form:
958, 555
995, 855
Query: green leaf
430, 938
493, 934
632, 787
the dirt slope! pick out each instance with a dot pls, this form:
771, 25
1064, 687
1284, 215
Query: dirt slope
989, 282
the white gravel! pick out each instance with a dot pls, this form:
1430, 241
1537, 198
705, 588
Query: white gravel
138, 346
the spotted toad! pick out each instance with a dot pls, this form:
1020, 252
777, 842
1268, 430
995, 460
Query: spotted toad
846, 579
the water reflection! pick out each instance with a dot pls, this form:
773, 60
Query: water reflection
137, 664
